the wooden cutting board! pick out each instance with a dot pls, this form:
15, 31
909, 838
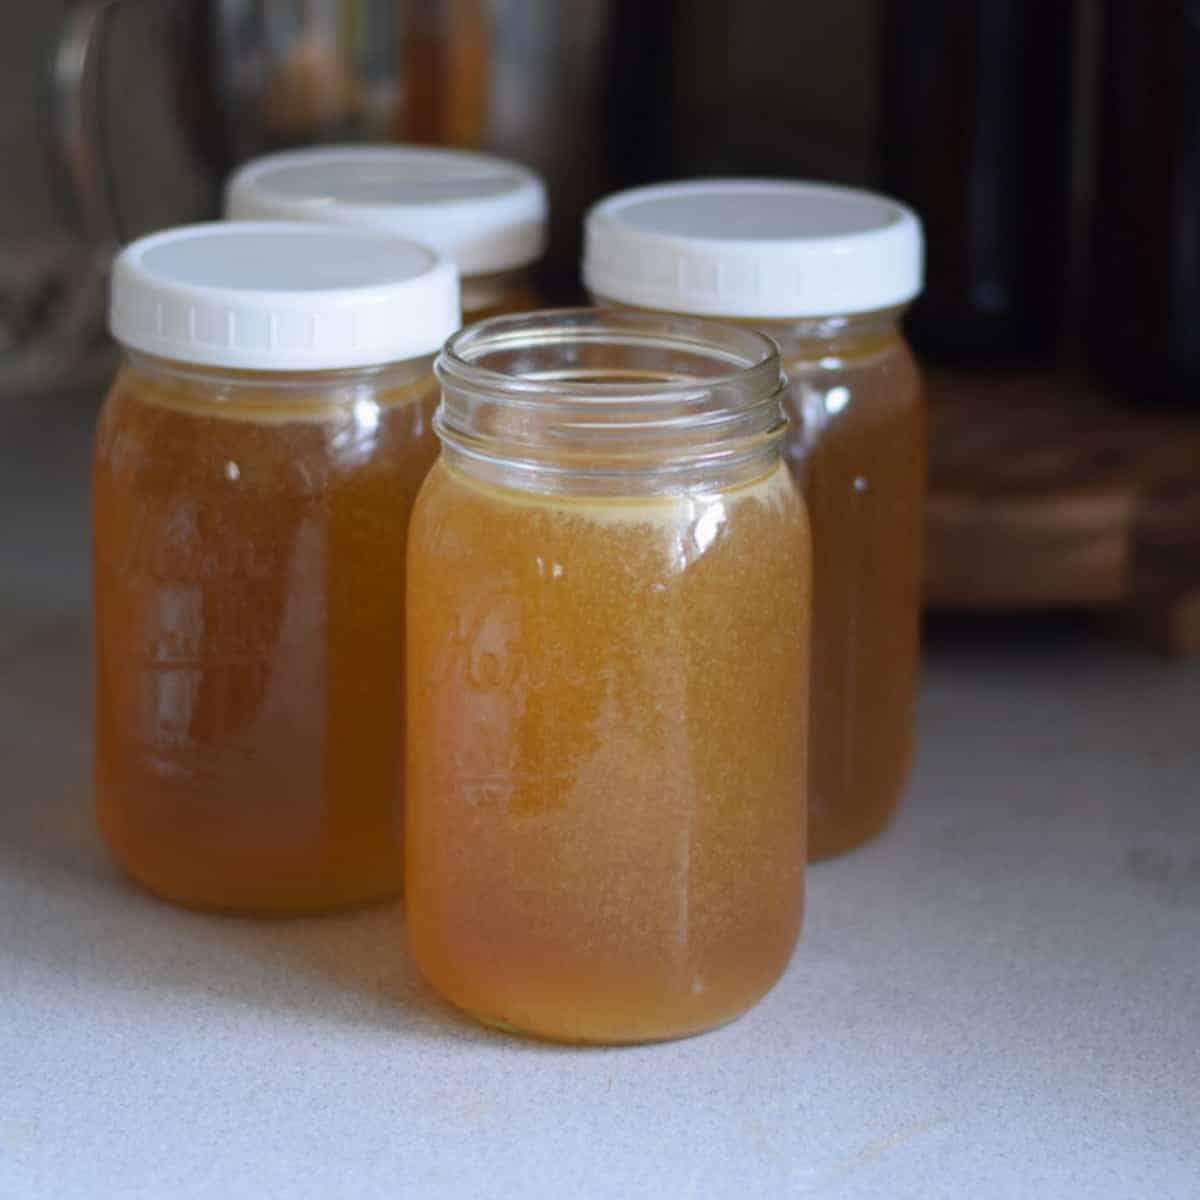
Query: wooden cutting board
1047, 494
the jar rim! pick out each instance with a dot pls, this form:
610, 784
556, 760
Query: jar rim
749, 353
611, 393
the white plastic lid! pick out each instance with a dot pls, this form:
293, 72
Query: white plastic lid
753, 248
272, 296
485, 213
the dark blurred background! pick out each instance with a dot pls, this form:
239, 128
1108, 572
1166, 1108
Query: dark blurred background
980, 112
597, 93
1051, 147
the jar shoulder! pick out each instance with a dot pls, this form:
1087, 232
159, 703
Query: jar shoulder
887, 362
262, 435
458, 519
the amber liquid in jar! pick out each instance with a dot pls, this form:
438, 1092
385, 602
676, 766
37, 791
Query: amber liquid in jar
249, 589
857, 444
611, 845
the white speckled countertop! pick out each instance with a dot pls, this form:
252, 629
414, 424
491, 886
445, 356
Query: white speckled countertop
999, 998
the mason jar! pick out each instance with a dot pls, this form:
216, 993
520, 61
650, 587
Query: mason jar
608, 630
487, 214
826, 272
255, 463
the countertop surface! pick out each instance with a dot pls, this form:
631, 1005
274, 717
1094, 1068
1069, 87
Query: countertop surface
999, 997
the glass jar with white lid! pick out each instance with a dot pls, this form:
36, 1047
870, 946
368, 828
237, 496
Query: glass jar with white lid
254, 466
827, 272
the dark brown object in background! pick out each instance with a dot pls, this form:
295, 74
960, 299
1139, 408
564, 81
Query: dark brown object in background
974, 134
1144, 312
445, 68
1045, 494
639, 109
548, 76
770, 87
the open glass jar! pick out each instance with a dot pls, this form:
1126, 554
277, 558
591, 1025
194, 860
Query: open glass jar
826, 271
608, 630
486, 214
255, 463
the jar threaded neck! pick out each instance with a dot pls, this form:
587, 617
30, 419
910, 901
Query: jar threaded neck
583, 398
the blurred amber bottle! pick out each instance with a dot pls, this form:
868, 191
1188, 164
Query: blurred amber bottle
974, 117
1144, 302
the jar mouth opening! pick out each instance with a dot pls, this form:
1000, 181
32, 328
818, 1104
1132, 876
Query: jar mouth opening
609, 357
604, 394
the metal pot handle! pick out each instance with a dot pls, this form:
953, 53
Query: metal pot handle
76, 70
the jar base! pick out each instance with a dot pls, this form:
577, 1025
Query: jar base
252, 903
832, 842
545, 1022
584, 1041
